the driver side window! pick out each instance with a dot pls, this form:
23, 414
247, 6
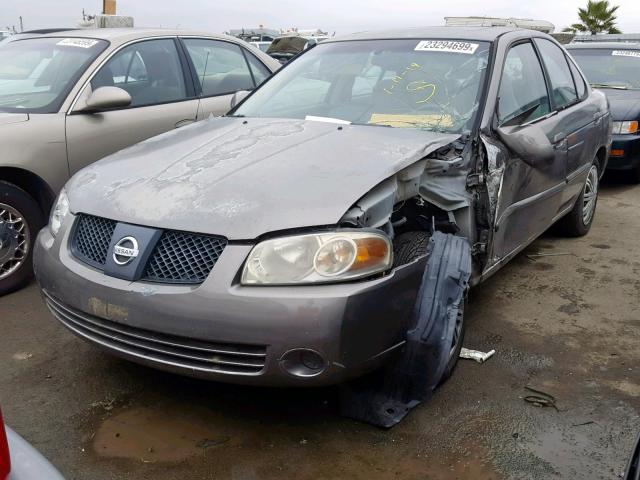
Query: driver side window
522, 87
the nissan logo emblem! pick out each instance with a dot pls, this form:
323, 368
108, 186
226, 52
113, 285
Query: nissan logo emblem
125, 251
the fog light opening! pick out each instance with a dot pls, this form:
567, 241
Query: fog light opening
303, 362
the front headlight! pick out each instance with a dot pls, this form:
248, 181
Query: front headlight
59, 212
625, 128
317, 258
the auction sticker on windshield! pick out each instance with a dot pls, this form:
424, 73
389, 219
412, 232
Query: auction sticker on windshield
626, 53
77, 42
447, 46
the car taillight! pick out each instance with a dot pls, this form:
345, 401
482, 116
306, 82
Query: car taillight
5, 460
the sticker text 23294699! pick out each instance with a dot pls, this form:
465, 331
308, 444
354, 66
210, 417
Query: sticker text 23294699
447, 46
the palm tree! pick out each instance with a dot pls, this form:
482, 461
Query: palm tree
598, 17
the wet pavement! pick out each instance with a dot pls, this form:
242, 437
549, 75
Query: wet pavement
567, 325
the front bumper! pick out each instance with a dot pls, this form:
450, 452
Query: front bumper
225, 331
630, 159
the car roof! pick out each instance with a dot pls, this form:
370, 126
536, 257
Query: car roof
487, 34
603, 45
123, 35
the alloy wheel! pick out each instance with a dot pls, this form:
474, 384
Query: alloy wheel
590, 195
14, 240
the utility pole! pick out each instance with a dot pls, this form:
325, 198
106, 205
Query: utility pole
108, 7
21, 24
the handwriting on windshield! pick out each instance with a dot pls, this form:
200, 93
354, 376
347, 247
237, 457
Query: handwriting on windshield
414, 86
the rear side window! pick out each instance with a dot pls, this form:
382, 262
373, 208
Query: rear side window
581, 88
221, 67
150, 71
562, 86
522, 87
260, 72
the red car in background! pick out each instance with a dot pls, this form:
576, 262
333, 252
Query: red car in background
20, 461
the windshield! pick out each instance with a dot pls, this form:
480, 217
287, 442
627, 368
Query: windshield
37, 74
604, 67
432, 85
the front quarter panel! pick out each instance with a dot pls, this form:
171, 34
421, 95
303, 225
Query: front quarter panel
37, 145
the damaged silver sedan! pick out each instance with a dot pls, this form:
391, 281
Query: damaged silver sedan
328, 229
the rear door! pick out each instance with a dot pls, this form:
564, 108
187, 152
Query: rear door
221, 69
531, 192
576, 120
155, 74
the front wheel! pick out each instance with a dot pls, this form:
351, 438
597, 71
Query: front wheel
20, 221
578, 221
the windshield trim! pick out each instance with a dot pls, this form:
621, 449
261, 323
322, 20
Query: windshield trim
55, 107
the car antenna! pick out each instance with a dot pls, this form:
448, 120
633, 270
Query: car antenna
204, 73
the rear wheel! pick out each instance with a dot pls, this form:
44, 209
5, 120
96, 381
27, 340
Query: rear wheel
578, 221
20, 221
635, 174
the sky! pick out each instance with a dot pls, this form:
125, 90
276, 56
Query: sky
340, 16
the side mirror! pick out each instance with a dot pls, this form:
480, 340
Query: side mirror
104, 98
530, 143
239, 96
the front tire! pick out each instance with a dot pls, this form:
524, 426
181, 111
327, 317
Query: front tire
20, 221
578, 221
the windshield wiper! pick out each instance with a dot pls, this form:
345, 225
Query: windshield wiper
608, 85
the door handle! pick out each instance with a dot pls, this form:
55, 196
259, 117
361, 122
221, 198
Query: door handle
184, 122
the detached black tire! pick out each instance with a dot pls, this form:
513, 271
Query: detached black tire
578, 221
20, 221
408, 247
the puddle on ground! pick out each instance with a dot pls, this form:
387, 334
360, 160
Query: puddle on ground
563, 450
151, 435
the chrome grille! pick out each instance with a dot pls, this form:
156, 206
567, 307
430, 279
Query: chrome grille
92, 239
181, 257
168, 350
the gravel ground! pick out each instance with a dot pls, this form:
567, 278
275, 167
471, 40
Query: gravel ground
568, 325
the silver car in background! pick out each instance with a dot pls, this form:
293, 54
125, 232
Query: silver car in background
71, 97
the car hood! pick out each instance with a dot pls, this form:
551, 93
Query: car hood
624, 104
8, 118
289, 45
243, 178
